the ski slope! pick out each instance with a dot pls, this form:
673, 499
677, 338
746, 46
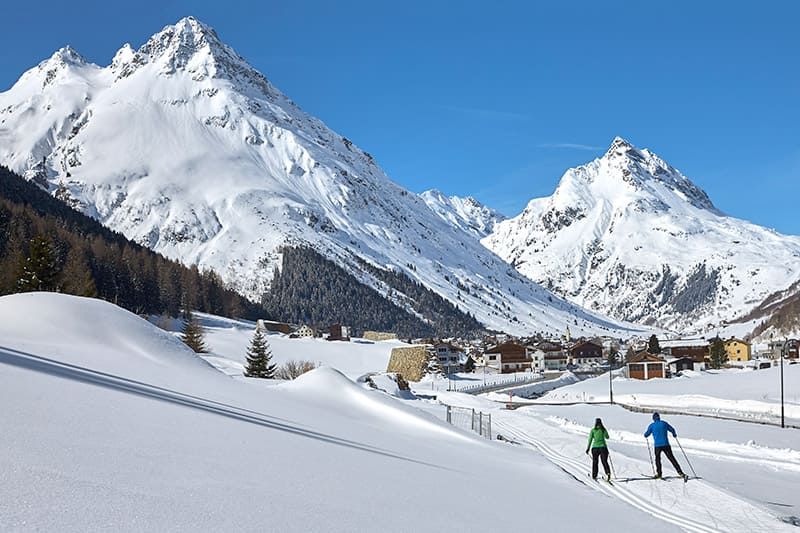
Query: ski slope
118, 426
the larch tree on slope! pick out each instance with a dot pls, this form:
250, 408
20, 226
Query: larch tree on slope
259, 358
192, 334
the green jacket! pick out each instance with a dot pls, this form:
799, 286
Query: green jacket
597, 438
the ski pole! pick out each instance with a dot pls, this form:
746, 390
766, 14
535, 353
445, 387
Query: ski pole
686, 457
652, 466
611, 463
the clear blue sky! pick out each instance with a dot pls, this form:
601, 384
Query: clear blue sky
497, 99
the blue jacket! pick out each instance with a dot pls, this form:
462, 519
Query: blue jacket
659, 430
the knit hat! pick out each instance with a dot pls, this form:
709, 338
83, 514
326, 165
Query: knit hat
656, 416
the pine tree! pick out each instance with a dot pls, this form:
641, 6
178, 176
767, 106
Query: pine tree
469, 366
259, 358
192, 334
39, 270
652, 345
717, 353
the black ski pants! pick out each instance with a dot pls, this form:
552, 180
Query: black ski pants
600, 453
666, 450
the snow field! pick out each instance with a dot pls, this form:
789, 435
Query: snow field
736, 393
116, 425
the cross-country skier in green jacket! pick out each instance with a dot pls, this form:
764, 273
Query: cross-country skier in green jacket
597, 443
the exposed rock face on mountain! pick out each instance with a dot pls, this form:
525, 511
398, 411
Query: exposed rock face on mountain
182, 146
467, 213
630, 236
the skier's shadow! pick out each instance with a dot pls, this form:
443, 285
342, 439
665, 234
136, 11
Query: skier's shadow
28, 361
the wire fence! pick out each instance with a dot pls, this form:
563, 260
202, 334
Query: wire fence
470, 419
503, 381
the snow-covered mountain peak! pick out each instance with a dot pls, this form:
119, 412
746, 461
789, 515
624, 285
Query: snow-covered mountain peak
65, 56
467, 213
188, 46
619, 146
629, 235
64, 59
627, 175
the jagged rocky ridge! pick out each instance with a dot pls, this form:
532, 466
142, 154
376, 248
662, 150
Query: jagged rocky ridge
630, 236
467, 213
182, 146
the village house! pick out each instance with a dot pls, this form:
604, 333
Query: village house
792, 346
538, 360
451, 357
303, 331
646, 366
586, 352
509, 357
275, 327
695, 348
555, 356
338, 332
792, 349
679, 364
737, 349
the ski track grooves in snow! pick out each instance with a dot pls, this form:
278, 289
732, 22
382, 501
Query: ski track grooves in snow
19, 359
576, 469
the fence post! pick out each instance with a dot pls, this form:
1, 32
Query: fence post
480, 419
449, 417
473, 420
490, 426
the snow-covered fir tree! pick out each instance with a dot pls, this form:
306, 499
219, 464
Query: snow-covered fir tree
192, 334
259, 358
39, 270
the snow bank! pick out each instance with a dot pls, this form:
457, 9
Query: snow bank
118, 426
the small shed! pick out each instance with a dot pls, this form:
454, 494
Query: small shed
679, 364
646, 366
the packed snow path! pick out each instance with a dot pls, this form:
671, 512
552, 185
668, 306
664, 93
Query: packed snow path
696, 506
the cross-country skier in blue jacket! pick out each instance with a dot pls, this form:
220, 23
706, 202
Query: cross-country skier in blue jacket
659, 429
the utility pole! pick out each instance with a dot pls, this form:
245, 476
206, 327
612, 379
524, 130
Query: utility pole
611, 385
783, 349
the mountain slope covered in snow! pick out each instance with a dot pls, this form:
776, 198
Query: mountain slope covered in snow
630, 236
182, 146
466, 213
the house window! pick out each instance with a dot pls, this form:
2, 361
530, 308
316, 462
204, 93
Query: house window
636, 367
492, 358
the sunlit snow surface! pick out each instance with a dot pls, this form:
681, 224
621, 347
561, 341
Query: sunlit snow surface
111, 423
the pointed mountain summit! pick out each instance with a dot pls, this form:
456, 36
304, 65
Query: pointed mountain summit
184, 147
630, 236
625, 171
